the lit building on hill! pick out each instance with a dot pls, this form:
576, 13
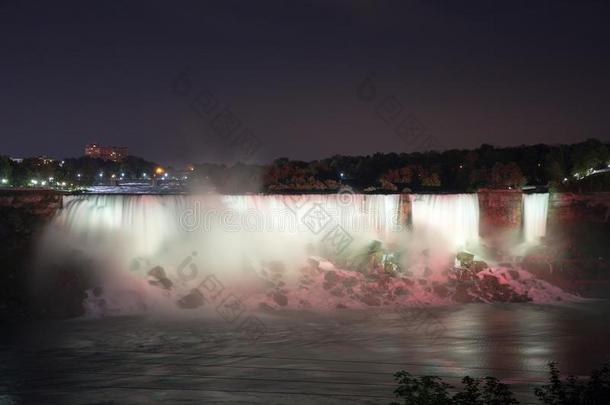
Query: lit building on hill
114, 153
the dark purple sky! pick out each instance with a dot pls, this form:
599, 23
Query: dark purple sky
512, 73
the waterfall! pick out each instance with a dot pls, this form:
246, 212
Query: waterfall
452, 217
535, 211
147, 224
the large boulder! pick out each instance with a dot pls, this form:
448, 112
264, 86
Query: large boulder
371, 300
192, 300
280, 298
159, 279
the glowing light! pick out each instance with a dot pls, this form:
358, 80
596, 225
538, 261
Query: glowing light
454, 218
44, 183
50, 178
535, 212
144, 175
78, 175
63, 184
101, 174
113, 176
32, 181
159, 170
4, 181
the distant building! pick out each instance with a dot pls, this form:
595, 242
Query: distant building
114, 153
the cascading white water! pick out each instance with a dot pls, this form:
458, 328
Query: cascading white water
452, 217
145, 225
535, 211
155, 251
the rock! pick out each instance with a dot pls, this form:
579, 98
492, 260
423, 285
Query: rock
465, 258
341, 306
304, 304
371, 300
441, 291
478, 265
192, 300
400, 291
427, 272
337, 292
514, 274
280, 299
159, 278
462, 295
157, 272
350, 282
331, 277
422, 281
266, 307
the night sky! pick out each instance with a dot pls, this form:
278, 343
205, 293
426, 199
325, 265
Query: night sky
520, 72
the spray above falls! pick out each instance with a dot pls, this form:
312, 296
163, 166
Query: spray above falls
343, 249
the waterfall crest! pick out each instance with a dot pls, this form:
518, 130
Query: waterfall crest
454, 217
535, 211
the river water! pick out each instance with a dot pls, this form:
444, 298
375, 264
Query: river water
299, 357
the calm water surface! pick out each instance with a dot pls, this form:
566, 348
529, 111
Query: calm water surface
347, 357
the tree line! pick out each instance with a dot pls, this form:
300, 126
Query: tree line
566, 167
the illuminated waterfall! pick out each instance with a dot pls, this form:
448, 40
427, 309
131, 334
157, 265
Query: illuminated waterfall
452, 217
144, 225
535, 211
